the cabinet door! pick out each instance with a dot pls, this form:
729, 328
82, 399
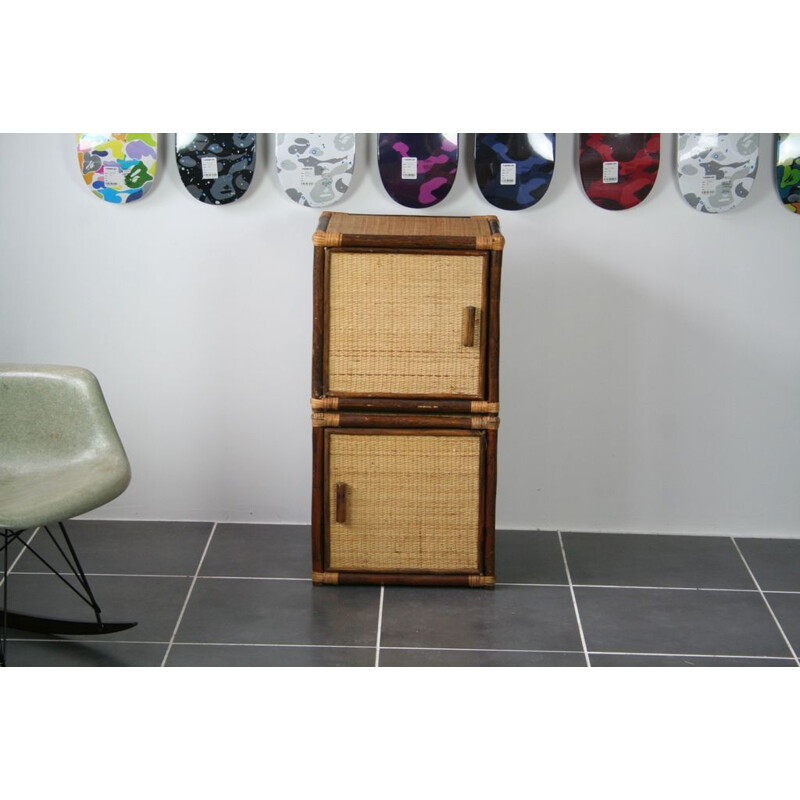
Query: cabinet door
404, 501
405, 323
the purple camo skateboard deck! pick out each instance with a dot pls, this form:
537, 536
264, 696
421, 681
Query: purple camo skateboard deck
418, 169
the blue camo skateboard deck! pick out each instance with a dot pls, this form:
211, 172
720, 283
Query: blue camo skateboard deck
514, 170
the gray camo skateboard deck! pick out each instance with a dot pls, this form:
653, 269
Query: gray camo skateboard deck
315, 169
716, 170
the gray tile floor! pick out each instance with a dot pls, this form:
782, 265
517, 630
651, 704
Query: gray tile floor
224, 594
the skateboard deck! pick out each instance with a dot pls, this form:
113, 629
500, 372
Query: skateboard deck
618, 170
513, 170
216, 168
788, 170
417, 169
315, 169
716, 170
118, 167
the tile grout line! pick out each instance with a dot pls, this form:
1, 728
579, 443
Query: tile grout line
254, 578
419, 649
691, 655
19, 556
663, 588
646, 588
766, 602
574, 601
380, 624
499, 583
120, 574
188, 595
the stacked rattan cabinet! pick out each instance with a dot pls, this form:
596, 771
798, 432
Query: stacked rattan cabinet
405, 399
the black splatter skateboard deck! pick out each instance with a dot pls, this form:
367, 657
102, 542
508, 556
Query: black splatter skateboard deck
216, 168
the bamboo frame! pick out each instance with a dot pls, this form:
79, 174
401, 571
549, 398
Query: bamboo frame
430, 241
409, 405
376, 414
408, 231
322, 510
484, 577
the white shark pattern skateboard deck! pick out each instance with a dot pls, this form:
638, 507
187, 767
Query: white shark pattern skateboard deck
315, 169
716, 170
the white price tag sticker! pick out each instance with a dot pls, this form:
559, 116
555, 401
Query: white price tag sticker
611, 172
409, 169
113, 176
307, 176
209, 164
508, 174
708, 185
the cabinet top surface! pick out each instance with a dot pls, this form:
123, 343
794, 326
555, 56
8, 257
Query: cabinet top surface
469, 233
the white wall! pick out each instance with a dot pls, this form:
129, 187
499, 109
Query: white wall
650, 358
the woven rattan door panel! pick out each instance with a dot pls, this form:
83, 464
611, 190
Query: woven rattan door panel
405, 324
404, 502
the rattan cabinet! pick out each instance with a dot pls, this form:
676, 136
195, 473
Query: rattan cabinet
405, 399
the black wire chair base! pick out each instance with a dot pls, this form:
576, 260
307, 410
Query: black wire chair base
36, 624
66, 627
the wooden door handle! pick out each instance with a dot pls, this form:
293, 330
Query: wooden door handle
341, 502
468, 327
